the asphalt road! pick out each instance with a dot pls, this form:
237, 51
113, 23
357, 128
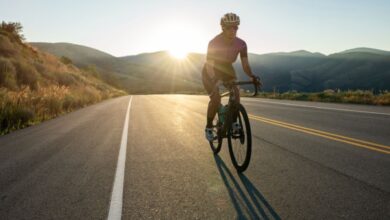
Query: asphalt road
309, 161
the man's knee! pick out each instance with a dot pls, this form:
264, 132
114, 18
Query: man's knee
215, 99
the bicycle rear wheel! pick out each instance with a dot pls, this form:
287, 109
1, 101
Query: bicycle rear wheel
216, 144
240, 140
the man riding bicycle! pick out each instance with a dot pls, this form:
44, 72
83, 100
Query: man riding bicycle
222, 52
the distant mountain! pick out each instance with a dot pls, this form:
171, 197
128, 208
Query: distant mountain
80, 55
78, 52
367, 50
359, 68
298, 53
354, 70
154, 72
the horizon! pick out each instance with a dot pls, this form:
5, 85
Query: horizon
121, 28
191, 52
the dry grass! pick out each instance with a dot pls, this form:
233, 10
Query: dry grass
22, 108
350, 96
35, 86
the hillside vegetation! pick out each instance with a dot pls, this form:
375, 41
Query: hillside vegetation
35, 86
352, 97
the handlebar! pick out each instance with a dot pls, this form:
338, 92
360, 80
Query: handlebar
255, 83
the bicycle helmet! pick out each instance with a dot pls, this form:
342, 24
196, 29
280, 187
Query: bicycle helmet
230, 19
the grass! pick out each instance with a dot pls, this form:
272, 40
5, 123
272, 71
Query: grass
19, 109
350, 96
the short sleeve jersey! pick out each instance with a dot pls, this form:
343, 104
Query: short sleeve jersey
221, 52
224, 55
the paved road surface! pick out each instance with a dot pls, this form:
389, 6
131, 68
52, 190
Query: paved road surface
309, 161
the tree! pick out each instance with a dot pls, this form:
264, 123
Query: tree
13, 28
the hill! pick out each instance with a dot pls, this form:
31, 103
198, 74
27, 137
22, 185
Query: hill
145, 73
304, 71
353, 70
367, 50
35, 85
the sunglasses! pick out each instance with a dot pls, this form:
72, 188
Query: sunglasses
231, 28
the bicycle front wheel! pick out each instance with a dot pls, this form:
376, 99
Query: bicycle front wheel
240, 140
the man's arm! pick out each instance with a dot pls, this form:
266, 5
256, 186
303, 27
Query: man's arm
210, 68
248, 71
246, 67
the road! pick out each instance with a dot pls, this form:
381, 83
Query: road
309, 161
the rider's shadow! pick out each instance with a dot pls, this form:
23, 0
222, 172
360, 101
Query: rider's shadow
256, 206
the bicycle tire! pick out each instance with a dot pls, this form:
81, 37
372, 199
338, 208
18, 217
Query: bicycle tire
245, 134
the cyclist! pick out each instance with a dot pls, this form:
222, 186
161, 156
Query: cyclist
221, 53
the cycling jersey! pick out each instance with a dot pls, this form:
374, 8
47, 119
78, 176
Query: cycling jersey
224, 55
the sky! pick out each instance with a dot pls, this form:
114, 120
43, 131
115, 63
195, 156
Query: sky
128, 27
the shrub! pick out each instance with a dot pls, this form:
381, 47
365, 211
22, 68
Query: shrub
7, 74
6, 47
13, 28
65, 60
66, 79
26, 74
14, 113
383, 98
358, 96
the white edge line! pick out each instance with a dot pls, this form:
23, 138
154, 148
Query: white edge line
115, 212
328, 108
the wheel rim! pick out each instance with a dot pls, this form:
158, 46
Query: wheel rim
239, 142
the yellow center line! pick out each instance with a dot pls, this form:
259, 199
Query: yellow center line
326, 133
344, 139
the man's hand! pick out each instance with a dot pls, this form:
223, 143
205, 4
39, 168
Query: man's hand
256, 80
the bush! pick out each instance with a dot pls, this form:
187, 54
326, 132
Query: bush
14, 117
26, 74
383, 98
6, 47
65, 60
66, 79
358, 96
14, 114
7, 74
13, 28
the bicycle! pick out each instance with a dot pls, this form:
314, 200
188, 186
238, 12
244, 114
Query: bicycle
233, 124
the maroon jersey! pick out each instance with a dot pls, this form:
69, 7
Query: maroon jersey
224, 54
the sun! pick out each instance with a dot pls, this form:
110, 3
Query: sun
179, 38
178, 53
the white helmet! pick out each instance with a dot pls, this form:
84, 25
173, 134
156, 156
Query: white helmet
230, 19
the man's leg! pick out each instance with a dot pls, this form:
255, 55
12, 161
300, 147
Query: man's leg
215, 101
215, 98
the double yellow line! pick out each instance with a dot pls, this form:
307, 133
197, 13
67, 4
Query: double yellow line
353, 141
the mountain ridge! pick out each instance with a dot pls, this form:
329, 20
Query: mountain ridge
299, 70
295, 52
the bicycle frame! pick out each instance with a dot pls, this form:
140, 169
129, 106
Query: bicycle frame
232, 103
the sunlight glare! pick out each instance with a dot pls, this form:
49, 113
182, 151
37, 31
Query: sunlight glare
180, 38
178, 54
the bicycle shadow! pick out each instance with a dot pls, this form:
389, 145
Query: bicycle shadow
256, 206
